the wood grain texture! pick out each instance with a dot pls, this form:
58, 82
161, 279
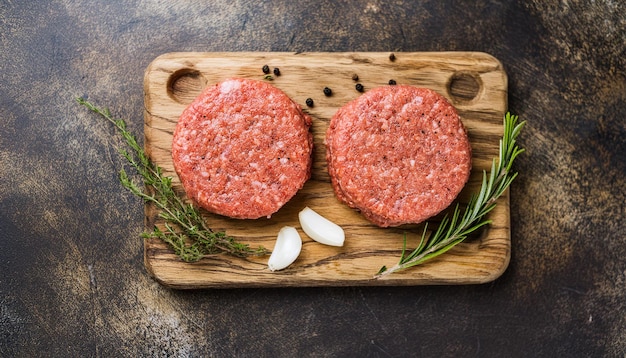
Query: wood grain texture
474, 82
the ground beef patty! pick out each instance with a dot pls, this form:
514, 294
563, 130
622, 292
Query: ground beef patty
242, 149
399, 154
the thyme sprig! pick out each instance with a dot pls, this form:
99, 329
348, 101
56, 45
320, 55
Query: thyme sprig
453, 230
185, 230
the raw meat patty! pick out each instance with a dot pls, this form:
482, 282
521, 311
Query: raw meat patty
399, 154
242, 149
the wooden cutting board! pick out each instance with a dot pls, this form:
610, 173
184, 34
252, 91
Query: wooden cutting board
474, 82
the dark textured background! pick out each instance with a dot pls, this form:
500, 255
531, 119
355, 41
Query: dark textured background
72, 280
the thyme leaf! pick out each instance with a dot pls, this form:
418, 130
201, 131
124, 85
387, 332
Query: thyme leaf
185, 230
453, 230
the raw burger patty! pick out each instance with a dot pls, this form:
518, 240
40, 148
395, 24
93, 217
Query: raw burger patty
242, 149
399, 154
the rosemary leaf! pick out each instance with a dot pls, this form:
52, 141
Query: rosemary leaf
186, 232
454, 230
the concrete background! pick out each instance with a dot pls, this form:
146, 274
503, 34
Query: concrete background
72, 280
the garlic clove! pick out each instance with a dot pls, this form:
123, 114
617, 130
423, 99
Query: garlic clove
320, 229
286, 250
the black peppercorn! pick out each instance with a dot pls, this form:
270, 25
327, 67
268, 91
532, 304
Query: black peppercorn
392, 57
359, 87
266, 69
309, 102
327, 91
355, 77
392, 82
276, 71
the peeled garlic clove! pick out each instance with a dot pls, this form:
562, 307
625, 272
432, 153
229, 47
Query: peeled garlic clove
321, 229
286, 250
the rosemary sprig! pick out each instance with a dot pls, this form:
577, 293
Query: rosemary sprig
452, 231
185, 231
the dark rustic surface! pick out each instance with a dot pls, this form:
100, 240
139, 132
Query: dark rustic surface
72, 280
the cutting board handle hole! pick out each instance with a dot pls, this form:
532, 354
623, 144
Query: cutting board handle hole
184, 85
465, 87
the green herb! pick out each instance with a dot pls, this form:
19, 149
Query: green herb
185, 229
452, 231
